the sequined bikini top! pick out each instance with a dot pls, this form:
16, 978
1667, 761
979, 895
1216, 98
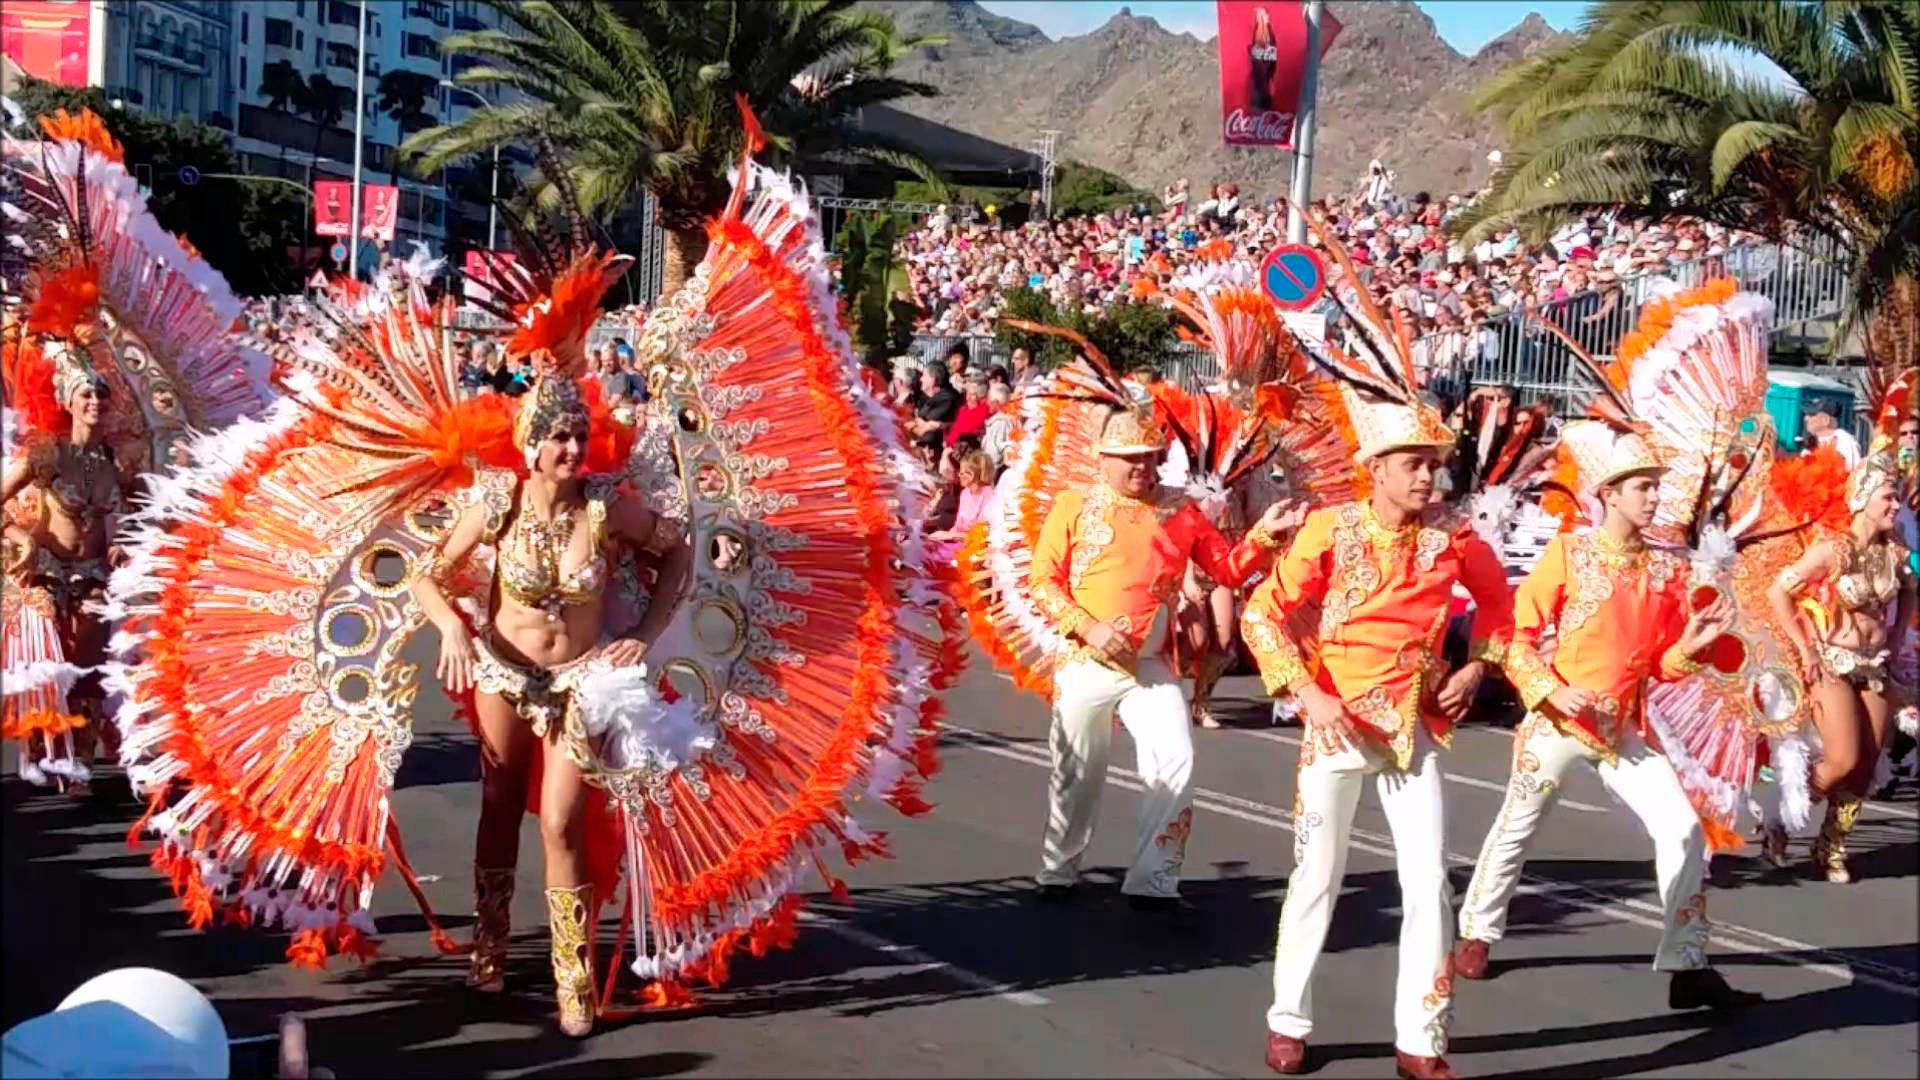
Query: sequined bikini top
1871, 578
537, 582
77, 497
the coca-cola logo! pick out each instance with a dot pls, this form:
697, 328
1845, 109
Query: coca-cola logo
1266, 127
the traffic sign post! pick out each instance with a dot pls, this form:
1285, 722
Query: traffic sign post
188, 176
338, 252
1293, 277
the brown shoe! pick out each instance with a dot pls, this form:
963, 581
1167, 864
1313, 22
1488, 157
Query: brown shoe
1470, 959
1286, 1054
1409, 1067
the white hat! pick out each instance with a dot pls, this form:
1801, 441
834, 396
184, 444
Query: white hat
132, 1022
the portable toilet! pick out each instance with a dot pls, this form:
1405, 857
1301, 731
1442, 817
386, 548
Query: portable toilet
1790, 392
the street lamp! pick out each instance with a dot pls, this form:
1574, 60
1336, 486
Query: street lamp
493, 195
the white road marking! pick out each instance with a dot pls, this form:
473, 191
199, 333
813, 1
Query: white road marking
1881, 809
1448, 775
1729, 935
922, 961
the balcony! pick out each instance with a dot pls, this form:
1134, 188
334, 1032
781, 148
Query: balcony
174, 53
430, 10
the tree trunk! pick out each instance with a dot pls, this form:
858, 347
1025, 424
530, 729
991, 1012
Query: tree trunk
685, 248
1893, 329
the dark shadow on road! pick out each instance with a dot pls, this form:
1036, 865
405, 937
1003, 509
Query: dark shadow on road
440, 758
1710, 1037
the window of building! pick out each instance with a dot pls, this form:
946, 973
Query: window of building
422, 45
276, 31
341, 13
243, 28
299, 9
299, 39
243, 74
342, 55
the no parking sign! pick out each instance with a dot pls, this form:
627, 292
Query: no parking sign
1293, 277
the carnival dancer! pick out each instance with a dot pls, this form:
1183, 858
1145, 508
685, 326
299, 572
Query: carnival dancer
1617, 610
116, 347
1844, 604
1108, 561
1370, 680
795, 672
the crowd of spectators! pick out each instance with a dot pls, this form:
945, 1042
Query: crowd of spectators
958, 275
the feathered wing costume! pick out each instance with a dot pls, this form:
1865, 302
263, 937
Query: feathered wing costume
796, 678
1259, 419
1691, 378
111, 300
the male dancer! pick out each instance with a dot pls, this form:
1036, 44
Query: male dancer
1108, 562
1378, 577
1619, 613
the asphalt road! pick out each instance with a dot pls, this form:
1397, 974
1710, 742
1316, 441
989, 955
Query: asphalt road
942, 966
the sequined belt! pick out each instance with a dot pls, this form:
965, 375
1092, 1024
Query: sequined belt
542, 696
1861, 671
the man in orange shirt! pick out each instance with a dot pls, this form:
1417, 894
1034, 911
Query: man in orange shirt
1618, 612
1376, 578
1108, 561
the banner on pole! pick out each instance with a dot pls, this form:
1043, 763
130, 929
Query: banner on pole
379, 211
332, 202
1263, 54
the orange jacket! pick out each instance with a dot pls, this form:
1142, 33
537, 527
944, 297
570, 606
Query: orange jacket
1106, 557
1615, 615
1380, 599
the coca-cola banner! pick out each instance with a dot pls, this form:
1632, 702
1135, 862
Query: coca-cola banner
1263, 53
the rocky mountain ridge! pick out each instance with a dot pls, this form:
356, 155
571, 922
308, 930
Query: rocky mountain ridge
1142, 101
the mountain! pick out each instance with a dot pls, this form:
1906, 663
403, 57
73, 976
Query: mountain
1144, 102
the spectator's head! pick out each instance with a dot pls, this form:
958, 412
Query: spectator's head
932, 380
997, 376
480, 351
1907, 443
975, 470
975, 389
999, 394
956, 361
1822, 416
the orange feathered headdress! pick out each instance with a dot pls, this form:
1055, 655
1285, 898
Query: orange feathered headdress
84, 127
1813, 487
29, 382
558, 321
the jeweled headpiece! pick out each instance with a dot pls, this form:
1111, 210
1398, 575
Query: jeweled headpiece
1384, 426
553, 404
1876, 469
73, 372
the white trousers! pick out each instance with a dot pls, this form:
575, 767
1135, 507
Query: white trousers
1327, 793
1086, 698
1641, 778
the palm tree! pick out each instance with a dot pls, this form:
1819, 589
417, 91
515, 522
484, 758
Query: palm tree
282, 85
1644, 110
639, 96
404, 95
325, 103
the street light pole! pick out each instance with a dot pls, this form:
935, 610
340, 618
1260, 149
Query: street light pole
359, 146
493, 191
1303, 122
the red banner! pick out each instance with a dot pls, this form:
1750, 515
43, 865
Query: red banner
49, 39
332, 205
1263, 53
379, 211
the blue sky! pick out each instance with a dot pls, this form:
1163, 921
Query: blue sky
1464, 24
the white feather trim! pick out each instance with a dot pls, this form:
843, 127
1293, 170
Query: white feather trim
641, 729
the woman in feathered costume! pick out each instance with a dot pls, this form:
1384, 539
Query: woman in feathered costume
1845, 605
120, 346
780, 670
